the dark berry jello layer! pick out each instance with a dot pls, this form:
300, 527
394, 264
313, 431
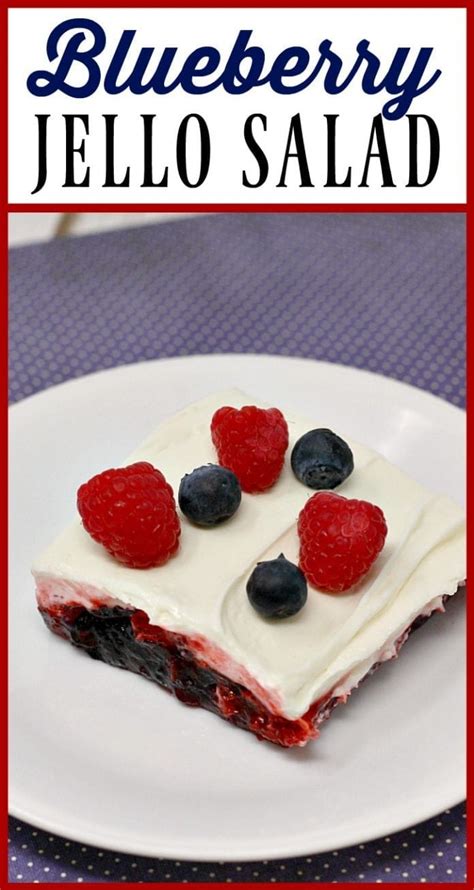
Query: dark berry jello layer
124, 638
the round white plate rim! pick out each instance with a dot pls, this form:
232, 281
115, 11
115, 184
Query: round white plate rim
398, 820
400, 385
307, 845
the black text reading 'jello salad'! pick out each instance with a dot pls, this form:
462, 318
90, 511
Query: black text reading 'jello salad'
263, 595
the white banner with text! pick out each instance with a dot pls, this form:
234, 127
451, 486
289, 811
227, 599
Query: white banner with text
237, 106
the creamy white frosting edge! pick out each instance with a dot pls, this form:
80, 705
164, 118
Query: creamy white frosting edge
202, 589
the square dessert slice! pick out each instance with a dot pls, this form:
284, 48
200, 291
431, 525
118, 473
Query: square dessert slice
188, 624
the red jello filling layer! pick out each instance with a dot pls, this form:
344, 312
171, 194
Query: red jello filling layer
124, 637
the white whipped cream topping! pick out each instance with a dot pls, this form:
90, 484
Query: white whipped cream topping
335, 639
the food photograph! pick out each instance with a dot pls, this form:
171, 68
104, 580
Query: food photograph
237, 473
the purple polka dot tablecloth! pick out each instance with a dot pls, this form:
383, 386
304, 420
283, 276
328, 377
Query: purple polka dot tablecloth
431, 852
384, 292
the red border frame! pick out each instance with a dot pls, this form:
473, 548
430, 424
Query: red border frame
204, 208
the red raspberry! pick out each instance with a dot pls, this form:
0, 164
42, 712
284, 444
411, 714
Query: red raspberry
251, 442
339, 540
131, 511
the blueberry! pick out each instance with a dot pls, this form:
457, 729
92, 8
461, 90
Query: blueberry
320, 459
277, 588
209, 495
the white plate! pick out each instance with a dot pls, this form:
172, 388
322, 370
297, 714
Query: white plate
102, 756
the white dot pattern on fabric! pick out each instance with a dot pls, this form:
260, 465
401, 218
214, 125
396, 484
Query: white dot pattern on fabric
74, 862
385, 292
